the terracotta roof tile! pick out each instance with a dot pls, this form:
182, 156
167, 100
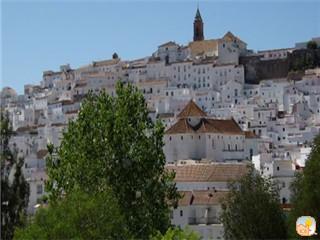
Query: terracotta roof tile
201, 197
250, 134
206, 125
185, 199
182, 126
42, 153
191, 110
208, 172
208, 197
26, 128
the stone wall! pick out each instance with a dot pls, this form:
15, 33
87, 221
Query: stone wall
257, 69
299, 60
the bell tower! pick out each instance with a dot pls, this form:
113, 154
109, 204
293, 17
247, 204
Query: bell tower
198, 27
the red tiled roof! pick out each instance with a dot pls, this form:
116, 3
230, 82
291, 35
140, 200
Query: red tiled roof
71, 111
42, 153
208, 172
191, 110
250, 134
185, 199
208, 197
201, 197
26, 128
182, 126
206, 125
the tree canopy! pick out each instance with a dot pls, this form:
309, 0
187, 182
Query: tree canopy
114, 145
14, 192
306, 190
177, 234
252, 209
78, 216
312, 45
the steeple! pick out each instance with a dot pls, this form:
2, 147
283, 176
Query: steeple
198, 27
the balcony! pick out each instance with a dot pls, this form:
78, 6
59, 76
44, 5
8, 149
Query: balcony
203, 220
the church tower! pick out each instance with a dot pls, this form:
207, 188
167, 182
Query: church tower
198, 27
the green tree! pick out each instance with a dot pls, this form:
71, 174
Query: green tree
306, 190
114, 143
177, 234
312, 45
77, 216
15, 192
252, 209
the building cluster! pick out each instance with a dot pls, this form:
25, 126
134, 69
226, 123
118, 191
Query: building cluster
216, 123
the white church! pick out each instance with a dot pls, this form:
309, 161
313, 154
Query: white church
195, 136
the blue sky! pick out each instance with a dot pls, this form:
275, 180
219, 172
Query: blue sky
42, 35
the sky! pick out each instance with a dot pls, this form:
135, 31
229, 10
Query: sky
42, 35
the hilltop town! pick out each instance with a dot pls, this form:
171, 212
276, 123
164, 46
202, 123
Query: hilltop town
223, 106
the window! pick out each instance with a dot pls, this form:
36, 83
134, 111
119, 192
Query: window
170, 138
182, 138
39, 189
212, 143
278, 168
283, 184
199, 137
181, 213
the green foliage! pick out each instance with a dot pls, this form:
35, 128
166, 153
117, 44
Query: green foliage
252, 209
78, 216
177, 234
14, 193
114, 144
306, 191
312, 45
